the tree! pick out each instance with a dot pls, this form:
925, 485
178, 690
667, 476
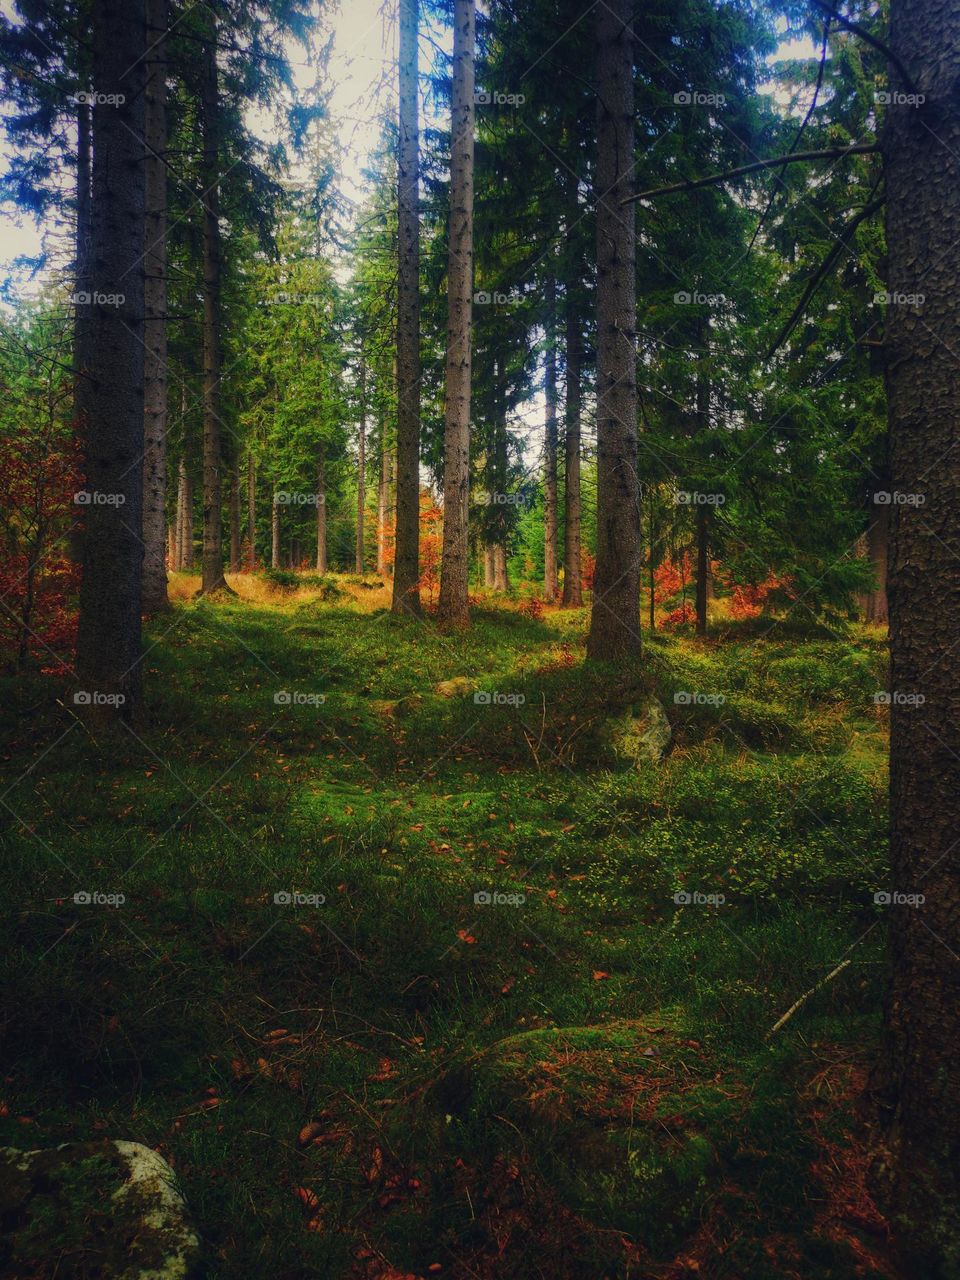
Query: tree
406, 568
922, 161
453, 611
550, 448
615, 616
108, 636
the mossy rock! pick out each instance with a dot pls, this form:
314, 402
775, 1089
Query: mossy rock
108, 1209
457, 687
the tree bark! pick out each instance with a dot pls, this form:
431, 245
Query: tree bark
488, 562
235, 517
384, 506
453, 610
81, 315
922, 1014
877, 539
178, 562
615, 617
187, 546
275, 533
321, 514
155, 316
550, 581
361, 468
212, 561
501, 576
406, 561
572, 570
251, 513
108, 635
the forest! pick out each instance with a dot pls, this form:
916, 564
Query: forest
480, 524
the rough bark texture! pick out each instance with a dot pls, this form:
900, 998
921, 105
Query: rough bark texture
361, 468
406, 565
108, 636
321, 514
155, 317
922, 156
614, 622
235, 518
275, 534
550, 581
251, 513
488, 566
453, 609
384, 503
501, 577
212, 561
178, 564
572, 570
186, 548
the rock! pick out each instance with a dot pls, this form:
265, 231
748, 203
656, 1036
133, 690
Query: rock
116, 1200
458, 687
642, 734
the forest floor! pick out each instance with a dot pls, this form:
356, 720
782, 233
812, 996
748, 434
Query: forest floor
574, 1080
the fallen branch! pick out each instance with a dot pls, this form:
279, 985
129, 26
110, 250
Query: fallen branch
805, 997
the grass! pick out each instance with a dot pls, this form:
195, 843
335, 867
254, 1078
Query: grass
575, 1084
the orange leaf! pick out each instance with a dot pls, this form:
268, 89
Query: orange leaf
599, 975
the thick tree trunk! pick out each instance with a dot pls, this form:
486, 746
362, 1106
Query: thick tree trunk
108, 635
572, 571
155, 316
321, 514
501, 578
406, 562
488, 562
251, 513
212, 562
275, 533
361, 469
922, 157
235, 517
384, 505
453, 611
550, 451
615, 617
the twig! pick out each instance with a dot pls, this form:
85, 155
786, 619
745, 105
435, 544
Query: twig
805, 997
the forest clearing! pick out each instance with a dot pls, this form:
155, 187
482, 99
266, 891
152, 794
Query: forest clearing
479, 616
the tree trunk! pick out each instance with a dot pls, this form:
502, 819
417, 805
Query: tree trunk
454, 609
178, 562
108, 635
251, 513
501, 578
877, 538
615, 617
172, 546
155, 317
550, 451
321, 514
275, 534
572, 572
488, 563
383, 501
212, 562
82, 312
361, 467
703, 569
235, 517
406, 560
922, 1016
188, 556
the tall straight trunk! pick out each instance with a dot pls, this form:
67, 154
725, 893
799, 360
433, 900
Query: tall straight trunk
108, 635
550, 451
383, 500
155, 316
878, 532
212, 561
501, 578
702, 512
453, 611
275, 533
251, 513
406, 561
172, 546
922, 1016
179, 560
614, 621
235, 516
321, 513
488, 565
500, 474
572, 572
361, 468
188, 552
81, 315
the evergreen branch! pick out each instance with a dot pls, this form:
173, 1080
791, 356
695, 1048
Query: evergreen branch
856, 29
